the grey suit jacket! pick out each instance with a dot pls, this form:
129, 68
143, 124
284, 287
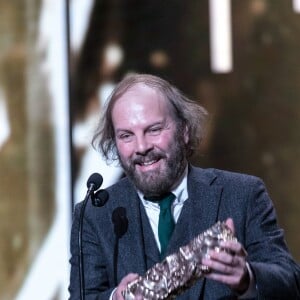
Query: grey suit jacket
213, 195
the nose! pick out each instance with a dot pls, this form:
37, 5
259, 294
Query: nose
143, 145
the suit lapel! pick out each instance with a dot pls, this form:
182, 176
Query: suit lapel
205, 199
131, 245
199, 213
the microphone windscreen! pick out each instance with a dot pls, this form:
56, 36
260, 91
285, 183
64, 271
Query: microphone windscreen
118, 214
96, 180
120, 221
100, 198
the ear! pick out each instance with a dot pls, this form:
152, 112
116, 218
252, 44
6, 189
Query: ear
186, 134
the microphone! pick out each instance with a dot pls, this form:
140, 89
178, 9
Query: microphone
120, 222
100, 198
93, 183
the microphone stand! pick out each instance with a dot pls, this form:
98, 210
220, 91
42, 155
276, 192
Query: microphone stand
98, 199
82, 209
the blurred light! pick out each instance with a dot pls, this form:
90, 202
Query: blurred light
258, 7
4, 121
159, 59
268, 159
296, 6
48, 275
220, 35
113, 56
79, 18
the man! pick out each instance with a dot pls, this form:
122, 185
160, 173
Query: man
152, 129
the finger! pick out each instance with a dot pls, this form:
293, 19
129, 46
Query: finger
123, 285
232, 281
234, 247
230, 224
224, 262
218, 266
237, 281
127, 279
224, 258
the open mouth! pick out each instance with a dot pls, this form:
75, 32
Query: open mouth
148, 163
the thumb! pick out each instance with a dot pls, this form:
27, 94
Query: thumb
230, 224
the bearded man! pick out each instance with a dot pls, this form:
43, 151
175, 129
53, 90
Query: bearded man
152, 129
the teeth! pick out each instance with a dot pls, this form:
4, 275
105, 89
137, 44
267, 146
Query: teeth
148, 163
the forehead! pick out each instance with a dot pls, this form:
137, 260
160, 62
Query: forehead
141, 97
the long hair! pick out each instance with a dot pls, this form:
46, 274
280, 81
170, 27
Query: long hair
188, 114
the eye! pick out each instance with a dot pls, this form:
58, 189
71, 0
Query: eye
155, 130
125, 137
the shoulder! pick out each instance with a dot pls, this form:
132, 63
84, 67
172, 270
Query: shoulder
212, 176
238, 191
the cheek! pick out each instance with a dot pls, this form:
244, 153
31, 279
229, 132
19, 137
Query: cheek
165, 144
124, 150
166, 141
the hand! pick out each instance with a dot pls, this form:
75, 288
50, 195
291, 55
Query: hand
229, 267
123, 285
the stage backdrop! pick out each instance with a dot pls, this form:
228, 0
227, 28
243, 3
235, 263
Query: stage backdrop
59, 61
35, 205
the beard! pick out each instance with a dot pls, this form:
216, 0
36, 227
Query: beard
155, 183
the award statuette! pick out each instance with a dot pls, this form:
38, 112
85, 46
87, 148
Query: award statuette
178, 271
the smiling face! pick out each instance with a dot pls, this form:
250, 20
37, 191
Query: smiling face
150, 145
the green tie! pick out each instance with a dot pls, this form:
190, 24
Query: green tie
166, 222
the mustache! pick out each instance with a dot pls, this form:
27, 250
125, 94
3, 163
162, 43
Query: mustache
156, 155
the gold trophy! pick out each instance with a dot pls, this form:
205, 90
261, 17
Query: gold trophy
179, 271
